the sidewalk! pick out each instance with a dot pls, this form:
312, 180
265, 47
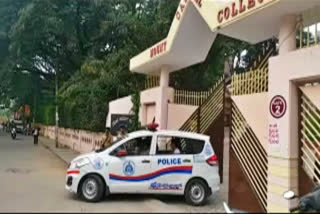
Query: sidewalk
64, 153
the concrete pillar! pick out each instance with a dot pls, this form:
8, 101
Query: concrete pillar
227, 129
164, 77
143, 114
287, 34
283, 148
162, 103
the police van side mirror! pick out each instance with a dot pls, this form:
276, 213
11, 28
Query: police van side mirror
122, 153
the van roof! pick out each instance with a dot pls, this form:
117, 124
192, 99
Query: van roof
171, 133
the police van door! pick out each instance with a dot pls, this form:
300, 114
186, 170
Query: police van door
171, 170
130, 166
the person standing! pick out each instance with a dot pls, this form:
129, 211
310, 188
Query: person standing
28, 129
122, 133
107, 142
175, 146
35, 135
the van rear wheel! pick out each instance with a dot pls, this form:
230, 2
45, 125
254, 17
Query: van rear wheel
92, 188
196, 192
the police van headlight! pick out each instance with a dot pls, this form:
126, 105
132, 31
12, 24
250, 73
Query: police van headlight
82, 162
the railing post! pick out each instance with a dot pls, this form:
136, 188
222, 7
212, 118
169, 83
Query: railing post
199, 119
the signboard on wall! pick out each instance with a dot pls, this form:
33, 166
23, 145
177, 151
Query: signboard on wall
278, 107
118, 121
234, 9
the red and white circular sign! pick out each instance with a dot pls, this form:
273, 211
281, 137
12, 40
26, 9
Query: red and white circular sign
278, 106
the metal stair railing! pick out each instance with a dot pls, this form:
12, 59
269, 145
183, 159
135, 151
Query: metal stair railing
262, 60
152, 82
310, 138
250, 82
255, 79
250, 154
207, 112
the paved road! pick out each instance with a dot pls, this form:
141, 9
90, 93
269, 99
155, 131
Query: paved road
32, 180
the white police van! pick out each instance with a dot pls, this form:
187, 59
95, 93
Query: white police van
144, 162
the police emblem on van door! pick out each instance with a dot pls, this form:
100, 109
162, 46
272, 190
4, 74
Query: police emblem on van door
128, 168
98, 163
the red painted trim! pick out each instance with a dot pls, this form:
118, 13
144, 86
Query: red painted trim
73, 172
153, 173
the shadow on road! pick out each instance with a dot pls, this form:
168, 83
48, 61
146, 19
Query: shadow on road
134, 198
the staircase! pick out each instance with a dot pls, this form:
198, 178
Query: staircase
208, 119
207, 112
212, 107
249, 154
247, 145
262, 61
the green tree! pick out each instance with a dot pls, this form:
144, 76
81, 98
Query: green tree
87, 46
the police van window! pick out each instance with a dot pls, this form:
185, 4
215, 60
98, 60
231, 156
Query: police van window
192, 146
178, 145
168, 145
135, 147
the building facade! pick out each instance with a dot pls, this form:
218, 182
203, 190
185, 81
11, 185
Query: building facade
273, 142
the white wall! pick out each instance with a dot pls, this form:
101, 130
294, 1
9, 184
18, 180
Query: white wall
254, 108
153, 96
119, 106
151, 112
178, 115
284, 72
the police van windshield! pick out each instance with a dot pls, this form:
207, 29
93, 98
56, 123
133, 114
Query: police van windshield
135, 146
113, 143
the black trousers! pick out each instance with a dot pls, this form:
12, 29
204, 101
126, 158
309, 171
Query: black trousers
35, 140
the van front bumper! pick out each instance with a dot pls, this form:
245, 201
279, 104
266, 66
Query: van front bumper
72, 180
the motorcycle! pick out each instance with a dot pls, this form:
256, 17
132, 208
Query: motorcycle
309, 202
13, 133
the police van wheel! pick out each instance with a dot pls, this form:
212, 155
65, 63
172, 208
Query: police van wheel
196, 192
92, 188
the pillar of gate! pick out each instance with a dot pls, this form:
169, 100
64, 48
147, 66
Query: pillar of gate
162, 103
283, 125
227, 128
